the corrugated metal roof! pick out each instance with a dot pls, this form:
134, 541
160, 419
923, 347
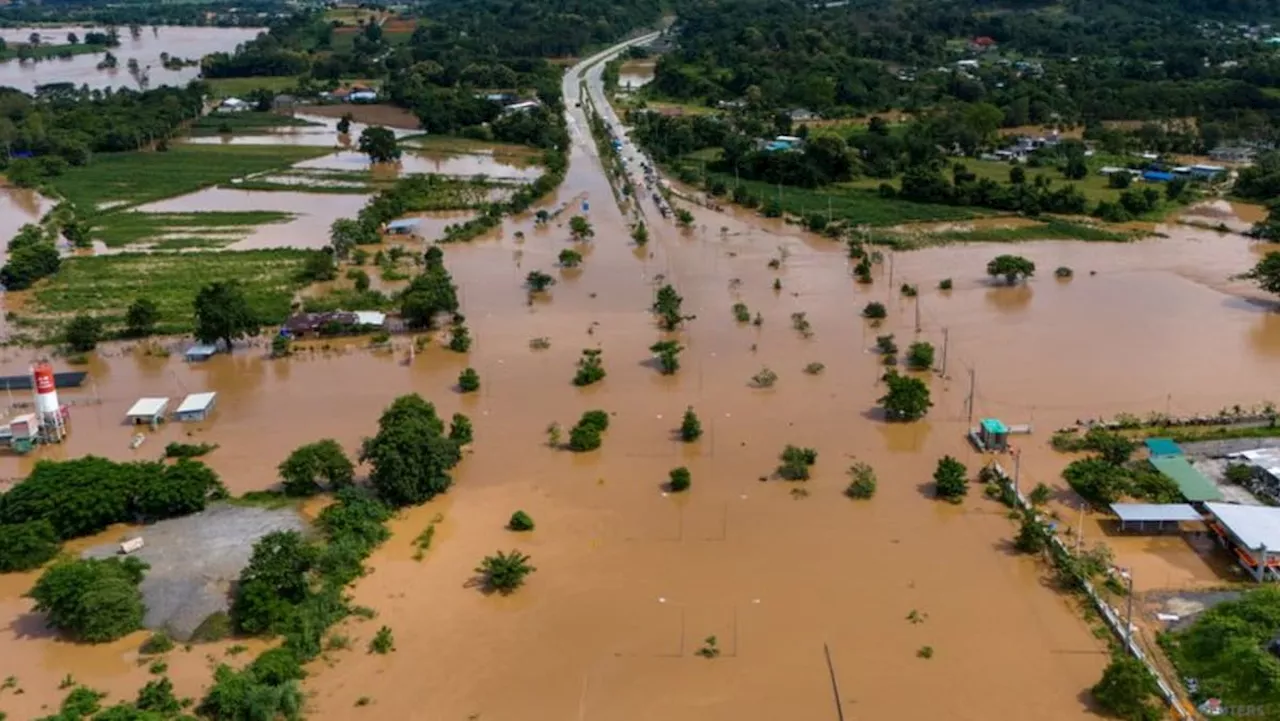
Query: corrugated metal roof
1156, 512
403, 223
1192, 483
146, 407
1163, 447
1254, 526
994, 425
196, 402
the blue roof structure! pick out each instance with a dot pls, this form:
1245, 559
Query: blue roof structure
994, 426
1158, 176
777, 145
1163, 447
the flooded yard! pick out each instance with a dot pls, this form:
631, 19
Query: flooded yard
309, 229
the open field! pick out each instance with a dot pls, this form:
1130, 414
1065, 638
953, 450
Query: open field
107, 285
169, 230
140, 177
236, 87
243, 123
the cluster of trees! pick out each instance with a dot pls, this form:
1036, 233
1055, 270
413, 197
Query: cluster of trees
32, 256
1260, 182
60, 500
1109, 474
64, 125
94, 601
410, 455
136, 14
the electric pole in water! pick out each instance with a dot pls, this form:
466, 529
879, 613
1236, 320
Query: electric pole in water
969, 403
946, 338
917, 314
1128, 615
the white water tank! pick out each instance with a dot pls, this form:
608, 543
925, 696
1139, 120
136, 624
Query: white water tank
46, 391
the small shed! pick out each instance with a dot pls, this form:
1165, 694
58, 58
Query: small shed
1253, 532
1162, 447
403, 226
201, 352
1157, 516
370, 318
195, 407
147, 410
994, 434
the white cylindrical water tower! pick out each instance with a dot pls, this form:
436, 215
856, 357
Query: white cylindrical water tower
46, 391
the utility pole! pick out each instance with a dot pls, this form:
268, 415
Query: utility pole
1080, 535
1017, 470
1128, 615
917, 299
946, 339
969, 403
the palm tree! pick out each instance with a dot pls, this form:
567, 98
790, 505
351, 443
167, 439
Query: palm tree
504, 572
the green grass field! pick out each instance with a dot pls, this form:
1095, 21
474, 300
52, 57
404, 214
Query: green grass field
237, 87
106, 285
1053, 229
140, 177
173, 231
245, 123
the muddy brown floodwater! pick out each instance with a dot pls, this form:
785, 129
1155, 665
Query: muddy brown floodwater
191, 43
630, 581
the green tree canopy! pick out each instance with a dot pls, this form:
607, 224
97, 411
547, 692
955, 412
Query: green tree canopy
141, 318
92, 600
222, 313
315, 463
410, 455
907, 398
379, 144
1011, 267
83, 333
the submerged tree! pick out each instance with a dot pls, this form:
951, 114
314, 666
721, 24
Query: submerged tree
92, 600
667, 304
1011, 267
504, 572
920, 356
469, 380
83, 333
950, 479
309, 466
640, 234
379, 144
569, 258
537, 281
1266, 273
141, 318
590, 367
668, 352
690, 426
410, 457
907, 398
1127, 690
580, 228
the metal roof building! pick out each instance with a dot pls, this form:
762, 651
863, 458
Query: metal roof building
1192, 483
201, 352
1162, 447
147, 410
1163, 515
1254, 532
403, 225
195, 407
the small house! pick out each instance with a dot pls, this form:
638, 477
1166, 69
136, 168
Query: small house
195, 407
362, 96
1207, 172
1233, 154
233, 105
335, 323
982, 43
147, 410
994, 434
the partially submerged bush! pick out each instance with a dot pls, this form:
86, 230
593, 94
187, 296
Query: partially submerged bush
862, 482
796, 462
520, 521
504, 572
690, 426
590, 368
92, 600
469, 380
874, 311
679, 479
764, 379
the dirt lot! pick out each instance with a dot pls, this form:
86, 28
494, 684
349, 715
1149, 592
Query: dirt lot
386, 115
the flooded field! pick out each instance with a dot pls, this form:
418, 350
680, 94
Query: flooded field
182, 42
310, 229
18, 206
461, 165
323, 134
635, 74
630, 581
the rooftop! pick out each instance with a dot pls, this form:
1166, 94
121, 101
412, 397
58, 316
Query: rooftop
1254, 526
1138, 512
1192, 483
148, 407
994, 425
404, 224
1163, 447
196, 402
